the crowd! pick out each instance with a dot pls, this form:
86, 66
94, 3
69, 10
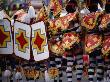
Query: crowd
91, 30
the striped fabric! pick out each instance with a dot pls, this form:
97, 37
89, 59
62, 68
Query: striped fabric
69, 67
58, 61
107, 65
53, 64
108, 74
79, 61
69, 74
95, 57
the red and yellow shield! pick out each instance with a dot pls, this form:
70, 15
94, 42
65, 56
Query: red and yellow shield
69, 39
62, 22
42, 15
53, 72
89, 21
54, 4
91, 42
57, 48
106, 45
31, 73
105, 20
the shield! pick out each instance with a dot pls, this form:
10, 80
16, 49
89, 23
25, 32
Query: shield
54, 4
39, 42
106, 46
105, 21
89, 21
31, 73
6, 43
61, 23
53, 72
92, 42
22, 40
57, 48
69, 39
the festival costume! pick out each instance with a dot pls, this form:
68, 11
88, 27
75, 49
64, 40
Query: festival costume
105, 28
55, 58
93, 40
76, 48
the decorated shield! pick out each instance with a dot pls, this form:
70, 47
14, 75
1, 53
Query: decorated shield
55, 5
62, 22
89, 21
42, 15
106, 46
6, 42
105, 21
53, 72
92, 42
31, 73
22, 40
57, 48
39, 42
69, 39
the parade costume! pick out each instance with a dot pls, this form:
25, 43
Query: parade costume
105, 27
76, 48
66, 39
55, 59
93, 40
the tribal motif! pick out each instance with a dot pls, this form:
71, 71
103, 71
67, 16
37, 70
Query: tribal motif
69, 39
106, 46
53, 72
89, 21
4, 37
92, 42
105, 21
57, 48
22, 40
61, 23
39, 41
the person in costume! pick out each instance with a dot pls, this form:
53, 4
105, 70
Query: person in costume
76, 48
55, 58
105, 28
93, 40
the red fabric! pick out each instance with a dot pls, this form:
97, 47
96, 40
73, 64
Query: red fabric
86, 58
2, 37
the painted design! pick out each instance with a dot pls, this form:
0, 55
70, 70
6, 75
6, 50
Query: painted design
89, 21
22, 40
4, 37
39, 41
106, 46
92, 42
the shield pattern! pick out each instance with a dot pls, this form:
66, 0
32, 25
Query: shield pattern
22, 40
106, 46
90, 20
39, 41
61, 23
69, 39
6, 42
92, 42
105, 21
